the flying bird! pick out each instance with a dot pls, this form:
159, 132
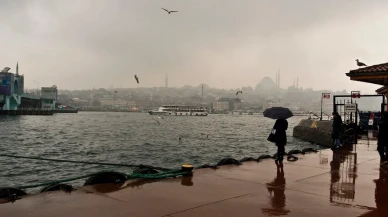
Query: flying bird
238, 92
137, 79
156, 121
115, 91
359, 64
160, 117
169, 12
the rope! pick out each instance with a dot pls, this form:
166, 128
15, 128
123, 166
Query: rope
85, 162
55, 182
167, 173
161, 175
292, 158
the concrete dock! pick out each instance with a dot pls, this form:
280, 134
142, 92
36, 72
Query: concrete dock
349, 182
27, 112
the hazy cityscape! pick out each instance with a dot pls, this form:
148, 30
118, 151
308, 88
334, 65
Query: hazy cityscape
193, 108
265, 94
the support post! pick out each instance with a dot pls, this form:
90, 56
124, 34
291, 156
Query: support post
321, 106
353, 94
385, 97
324, 95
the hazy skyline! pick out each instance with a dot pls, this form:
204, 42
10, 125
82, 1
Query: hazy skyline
223, 43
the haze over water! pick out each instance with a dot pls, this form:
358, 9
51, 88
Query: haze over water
130, 138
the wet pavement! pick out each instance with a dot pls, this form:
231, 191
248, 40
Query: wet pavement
348, 182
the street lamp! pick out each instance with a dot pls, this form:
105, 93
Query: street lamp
37, 86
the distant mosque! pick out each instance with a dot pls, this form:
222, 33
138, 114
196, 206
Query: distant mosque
269, 87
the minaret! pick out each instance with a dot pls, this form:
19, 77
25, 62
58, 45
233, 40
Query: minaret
279, 78
202, 93
17, 68
276, 79
166, 81
297, 83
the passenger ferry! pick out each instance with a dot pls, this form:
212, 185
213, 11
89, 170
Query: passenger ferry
180, 110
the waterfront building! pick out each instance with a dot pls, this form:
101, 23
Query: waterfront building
234, 103
49, 97
116, 102
11, 89
221, 106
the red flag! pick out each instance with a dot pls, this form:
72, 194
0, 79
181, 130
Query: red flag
326, 95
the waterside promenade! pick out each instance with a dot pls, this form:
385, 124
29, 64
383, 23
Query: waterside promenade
349, 182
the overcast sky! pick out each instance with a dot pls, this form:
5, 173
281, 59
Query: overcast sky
78, 44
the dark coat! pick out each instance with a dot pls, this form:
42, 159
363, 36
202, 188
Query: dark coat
337, 126
281, 126
382, 135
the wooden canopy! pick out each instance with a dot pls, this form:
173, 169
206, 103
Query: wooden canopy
376, 74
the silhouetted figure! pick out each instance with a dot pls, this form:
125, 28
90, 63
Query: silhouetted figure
359, 64
382, 137
281, 125
336, 133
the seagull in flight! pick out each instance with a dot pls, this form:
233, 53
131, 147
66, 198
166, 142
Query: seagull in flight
137, 79
238, 92
359, 64
169, 12
156, 121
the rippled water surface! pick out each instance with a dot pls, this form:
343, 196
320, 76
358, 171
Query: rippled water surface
133, 138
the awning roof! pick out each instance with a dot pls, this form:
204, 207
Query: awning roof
376, 74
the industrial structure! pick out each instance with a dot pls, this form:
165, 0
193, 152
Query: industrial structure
49, 97
13, 97
11, 89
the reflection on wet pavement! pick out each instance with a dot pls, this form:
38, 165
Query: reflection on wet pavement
346, 182
277, 189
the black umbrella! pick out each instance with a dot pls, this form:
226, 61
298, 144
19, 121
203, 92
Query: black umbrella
278, 113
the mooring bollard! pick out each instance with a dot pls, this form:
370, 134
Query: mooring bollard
187, 168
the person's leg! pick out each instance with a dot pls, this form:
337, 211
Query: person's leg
337, 142
334, 146
381, 150
281, 150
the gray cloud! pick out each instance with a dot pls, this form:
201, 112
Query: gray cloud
224, 43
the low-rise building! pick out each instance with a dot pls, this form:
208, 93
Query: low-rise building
49, 97
221, 106
234, 103
116, 102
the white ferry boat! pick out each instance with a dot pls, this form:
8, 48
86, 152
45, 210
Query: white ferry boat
299, 112
180, 110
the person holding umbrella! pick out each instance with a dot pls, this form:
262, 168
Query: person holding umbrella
278, 134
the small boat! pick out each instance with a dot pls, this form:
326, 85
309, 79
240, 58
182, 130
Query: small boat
180, 110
